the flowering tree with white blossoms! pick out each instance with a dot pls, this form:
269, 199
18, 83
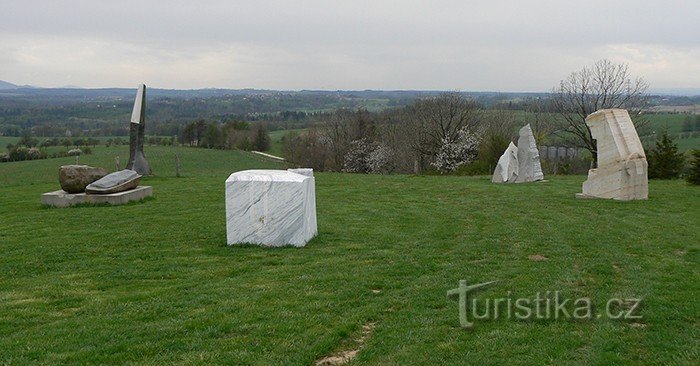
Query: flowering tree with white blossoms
381, 160
365, 156
454, 153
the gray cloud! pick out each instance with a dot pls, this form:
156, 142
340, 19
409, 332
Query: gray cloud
465, 45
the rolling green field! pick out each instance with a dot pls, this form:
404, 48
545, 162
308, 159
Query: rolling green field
276, 140
154, 282
4, 140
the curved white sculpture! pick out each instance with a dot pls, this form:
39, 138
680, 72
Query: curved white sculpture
270, 207
622, 165
507, 168
520, 163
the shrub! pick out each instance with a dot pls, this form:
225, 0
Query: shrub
4, 157
86, 150
75, 152
694, 173
381, 160
33, 154
19, 153
665, 162
358, 156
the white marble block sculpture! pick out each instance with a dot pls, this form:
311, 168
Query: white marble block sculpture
270, 207
529, 168
303, 171
507, 167
622, 165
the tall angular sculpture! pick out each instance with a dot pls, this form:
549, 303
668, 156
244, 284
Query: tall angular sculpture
529, 168
622, 165
507, 168
137, 133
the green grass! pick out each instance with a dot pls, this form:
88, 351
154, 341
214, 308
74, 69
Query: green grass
687, 144
154, 282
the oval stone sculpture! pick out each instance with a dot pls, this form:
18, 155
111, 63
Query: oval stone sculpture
120, 181
74, 178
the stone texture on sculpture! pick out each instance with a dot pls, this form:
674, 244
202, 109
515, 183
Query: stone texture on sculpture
62, 199
137, 135
622, 165
507, 166
529, 167
309, 172
120, 181
74, 178
270, 207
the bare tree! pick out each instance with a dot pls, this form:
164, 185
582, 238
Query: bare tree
340, 128
434, 120
603, 85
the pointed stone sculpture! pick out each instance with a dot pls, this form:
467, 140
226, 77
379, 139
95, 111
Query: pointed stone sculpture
622, 165
137, 160
507, 167
529, 168
520, 163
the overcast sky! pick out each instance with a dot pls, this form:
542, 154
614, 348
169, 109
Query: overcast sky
296, 44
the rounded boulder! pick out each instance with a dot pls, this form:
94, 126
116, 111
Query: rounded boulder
74, 178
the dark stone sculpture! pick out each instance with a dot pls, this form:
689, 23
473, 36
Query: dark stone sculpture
137, 160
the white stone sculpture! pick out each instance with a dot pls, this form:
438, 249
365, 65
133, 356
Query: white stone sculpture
520, 163
529, 168
303, 171
622, 165
270, 207
507, 167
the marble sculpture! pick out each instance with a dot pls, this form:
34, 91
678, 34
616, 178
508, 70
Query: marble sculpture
621, 173
507, 167
120, 181
520, 163
529, 168
270, 207
137, 135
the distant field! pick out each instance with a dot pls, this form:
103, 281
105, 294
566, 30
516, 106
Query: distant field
154, 282
276, 141
4, 140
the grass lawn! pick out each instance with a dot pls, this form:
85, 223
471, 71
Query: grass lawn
154, 282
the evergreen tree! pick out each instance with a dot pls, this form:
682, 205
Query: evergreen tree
665, 162
694, 174
262, 138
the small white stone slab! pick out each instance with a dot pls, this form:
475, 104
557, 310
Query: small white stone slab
270, 208
62, 198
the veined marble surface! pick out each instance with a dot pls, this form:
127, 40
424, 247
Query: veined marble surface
507, 167
529, 167
622, 165
270, 207
303, 171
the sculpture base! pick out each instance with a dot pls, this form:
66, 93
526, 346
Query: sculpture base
61, 198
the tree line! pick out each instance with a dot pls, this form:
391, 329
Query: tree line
229, 135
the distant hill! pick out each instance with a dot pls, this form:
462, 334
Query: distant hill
6, 85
